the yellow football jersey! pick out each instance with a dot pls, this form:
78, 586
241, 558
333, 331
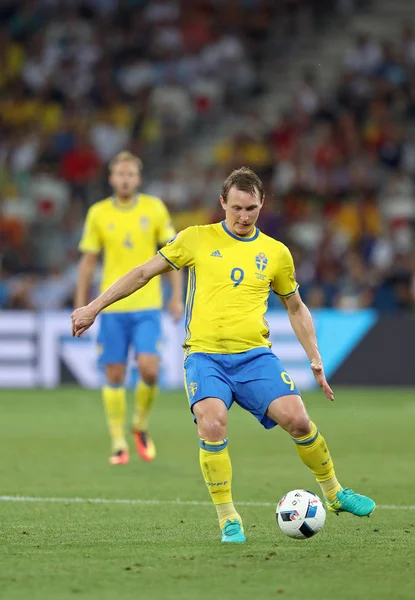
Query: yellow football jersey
229, 282
128, 236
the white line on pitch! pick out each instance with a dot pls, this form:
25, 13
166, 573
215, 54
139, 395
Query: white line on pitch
138, 501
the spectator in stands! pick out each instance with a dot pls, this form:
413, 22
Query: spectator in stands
364, 56
80, 166
354, 290
316, 298
307, 96
82, 79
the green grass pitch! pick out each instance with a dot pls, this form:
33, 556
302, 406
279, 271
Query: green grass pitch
53, 444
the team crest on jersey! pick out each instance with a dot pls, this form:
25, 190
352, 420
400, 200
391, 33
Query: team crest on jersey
193, 388
144, 222
111, 226
261, 261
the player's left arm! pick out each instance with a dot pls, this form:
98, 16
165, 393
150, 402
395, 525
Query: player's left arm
165, 233
83, 318
285, 285
303, 326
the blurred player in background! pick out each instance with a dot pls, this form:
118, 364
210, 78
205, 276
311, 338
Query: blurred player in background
232, 268
127, 228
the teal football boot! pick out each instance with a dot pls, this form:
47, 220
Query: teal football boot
349, 501
233, 533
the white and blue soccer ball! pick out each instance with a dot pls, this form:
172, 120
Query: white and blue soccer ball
300, 514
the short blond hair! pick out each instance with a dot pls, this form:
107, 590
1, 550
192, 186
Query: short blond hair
124, 156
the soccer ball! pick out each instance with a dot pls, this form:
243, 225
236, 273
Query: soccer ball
300, 514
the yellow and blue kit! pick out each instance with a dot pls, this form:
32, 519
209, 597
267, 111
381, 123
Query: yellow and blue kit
227, 349
128, 235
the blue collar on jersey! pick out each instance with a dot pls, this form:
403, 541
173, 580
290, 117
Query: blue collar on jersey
128, 206
241, 239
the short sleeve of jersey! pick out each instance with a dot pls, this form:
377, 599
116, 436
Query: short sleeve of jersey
284, 283
165, 230
181, 250
91, 241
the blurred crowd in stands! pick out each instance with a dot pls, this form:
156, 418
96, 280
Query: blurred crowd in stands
82, 80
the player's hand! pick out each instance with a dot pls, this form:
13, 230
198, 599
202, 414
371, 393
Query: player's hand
318, 372
82, 319
176, 308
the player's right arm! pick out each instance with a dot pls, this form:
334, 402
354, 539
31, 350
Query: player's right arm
177, 253
82, 318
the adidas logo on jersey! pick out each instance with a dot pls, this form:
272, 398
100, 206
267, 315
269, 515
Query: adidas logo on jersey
217, 254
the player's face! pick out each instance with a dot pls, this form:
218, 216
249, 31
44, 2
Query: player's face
242, 211
125, 179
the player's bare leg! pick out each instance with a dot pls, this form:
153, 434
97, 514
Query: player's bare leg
289, 412
115, 408
148, 366
212, 420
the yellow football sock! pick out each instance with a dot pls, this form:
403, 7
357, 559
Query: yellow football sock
114, 402
217, 471
313, 451
145, 397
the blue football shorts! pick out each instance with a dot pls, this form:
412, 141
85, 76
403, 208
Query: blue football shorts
118, 331
252, 379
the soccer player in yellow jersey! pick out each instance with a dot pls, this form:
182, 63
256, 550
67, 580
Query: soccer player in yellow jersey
127, 228
232, 269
